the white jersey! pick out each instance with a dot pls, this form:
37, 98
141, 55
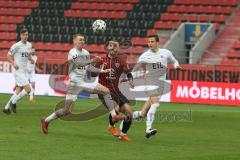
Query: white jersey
156, 63
20, 52
31, 66
75, 55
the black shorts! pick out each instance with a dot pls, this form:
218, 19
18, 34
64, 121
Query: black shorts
118, 97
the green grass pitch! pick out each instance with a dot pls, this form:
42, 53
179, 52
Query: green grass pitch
206, 133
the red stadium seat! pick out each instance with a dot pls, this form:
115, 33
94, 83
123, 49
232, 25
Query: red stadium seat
6, 44
38, 45
40, 54
172, 8
137, 41
168, 25
227, 10
158, 25
131, 59
236, 45
205, 18
220, 18
191, 9
49, 54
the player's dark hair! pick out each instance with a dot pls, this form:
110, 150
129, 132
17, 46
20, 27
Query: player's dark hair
154, 36
76, 35
24, 30
107, 43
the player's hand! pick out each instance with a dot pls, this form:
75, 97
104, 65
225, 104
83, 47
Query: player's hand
32, 61
178, 68
15, 66
97, 59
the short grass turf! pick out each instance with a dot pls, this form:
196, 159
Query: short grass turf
185, 132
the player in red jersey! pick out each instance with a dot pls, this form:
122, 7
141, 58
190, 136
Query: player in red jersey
110, 80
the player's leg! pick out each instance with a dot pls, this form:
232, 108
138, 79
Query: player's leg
72, 92
7, 106
62, 111
100, 89
26, 90
31, 77
151, 116
21, 80
126, 123
31, 94
69, 103
111, 126
111, 122
143, 112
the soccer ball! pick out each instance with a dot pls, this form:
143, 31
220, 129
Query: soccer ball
99, 26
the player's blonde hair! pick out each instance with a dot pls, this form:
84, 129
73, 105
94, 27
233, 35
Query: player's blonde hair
77, 35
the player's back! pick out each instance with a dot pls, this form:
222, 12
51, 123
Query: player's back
20, 52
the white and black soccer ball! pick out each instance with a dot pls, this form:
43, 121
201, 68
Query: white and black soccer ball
99, 26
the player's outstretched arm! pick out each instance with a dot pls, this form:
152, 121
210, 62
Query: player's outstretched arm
93, 69
81, 63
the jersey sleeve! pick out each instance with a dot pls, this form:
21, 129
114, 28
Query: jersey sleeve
141, 59
13, 49
173, 59
72, 56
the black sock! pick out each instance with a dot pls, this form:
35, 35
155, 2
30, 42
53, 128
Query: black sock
126, 124
111, 121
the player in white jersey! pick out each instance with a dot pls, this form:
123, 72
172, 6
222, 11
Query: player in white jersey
79, 63
155, 61
18, 58
31, 67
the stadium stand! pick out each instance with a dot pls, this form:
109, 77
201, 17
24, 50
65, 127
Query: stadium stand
225, 49
52, 23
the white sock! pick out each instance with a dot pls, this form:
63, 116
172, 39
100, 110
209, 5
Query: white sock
51, 117
31, 94
19, 96
8, 103
136, 114
113, 112
151, 116
121, 125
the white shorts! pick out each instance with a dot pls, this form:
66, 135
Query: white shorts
154, 88
21, 77
31, 77
74, 88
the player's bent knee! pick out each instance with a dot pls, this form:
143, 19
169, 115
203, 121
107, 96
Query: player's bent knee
27, 88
